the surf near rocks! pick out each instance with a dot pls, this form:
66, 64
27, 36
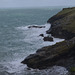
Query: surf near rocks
63, 26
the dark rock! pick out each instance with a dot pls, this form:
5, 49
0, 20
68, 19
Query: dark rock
62, 53
58, 32
28, 68
57, 54
48, 39
63, 24
36, 27
41, 35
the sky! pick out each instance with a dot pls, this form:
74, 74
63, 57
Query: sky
35, 3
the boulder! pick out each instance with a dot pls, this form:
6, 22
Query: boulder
48, 39
62, 53
41, 35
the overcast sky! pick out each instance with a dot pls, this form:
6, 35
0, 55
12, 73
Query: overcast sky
35, 3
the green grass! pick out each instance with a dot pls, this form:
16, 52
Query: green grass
72, 69
66, 10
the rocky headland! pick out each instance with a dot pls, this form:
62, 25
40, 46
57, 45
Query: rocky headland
62, 53
63, 24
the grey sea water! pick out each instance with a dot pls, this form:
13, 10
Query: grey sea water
17, 41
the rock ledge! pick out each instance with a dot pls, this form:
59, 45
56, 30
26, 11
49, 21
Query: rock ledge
62, 53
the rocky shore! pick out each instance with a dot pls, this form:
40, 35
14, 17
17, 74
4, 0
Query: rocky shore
62, 53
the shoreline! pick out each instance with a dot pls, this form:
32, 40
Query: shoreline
60, 52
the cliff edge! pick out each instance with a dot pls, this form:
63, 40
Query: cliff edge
62, 53
63, 24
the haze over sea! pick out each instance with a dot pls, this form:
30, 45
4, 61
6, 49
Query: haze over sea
17, 41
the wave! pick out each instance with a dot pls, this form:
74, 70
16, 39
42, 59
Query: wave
32, 34
20, 69
32, 41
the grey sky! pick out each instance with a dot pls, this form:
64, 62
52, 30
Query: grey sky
37, 3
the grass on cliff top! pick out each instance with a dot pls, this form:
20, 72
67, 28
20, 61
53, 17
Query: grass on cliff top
72, 69
66, 10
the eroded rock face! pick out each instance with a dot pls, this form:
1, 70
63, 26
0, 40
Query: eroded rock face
63, 24
58, 32
52, 55
36, 27
62, 53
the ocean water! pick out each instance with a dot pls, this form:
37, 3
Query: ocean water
17, 41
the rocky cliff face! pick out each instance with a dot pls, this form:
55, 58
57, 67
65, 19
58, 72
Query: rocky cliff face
53, 55
62, 53
63, 24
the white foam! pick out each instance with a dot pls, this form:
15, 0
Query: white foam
32, 37
56, 70
22, 28
15, 66
32, 34
18, 68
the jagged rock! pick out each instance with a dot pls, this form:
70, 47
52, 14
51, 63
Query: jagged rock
48, 39
62, 53
28, 68
36, 27
57, 54
63, 24
41, 35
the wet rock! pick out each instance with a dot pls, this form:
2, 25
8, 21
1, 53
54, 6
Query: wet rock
36, 27
53, 55
48, 39
63, 24
41, 35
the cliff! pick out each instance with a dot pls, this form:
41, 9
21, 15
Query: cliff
63, 26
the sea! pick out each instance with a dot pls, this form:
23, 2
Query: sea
17, 41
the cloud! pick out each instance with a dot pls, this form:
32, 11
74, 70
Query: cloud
34, 3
